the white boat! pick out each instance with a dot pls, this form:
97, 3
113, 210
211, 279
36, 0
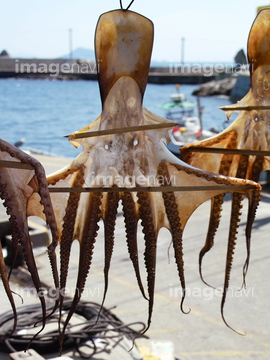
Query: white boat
189, 128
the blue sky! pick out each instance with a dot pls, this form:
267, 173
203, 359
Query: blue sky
213, 30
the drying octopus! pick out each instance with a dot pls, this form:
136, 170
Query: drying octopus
20, 176
124, 157
249, 133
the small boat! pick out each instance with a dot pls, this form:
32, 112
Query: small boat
189, 128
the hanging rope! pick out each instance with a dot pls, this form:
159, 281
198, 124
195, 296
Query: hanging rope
128, 5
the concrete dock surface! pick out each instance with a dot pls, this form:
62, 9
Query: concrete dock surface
201, 334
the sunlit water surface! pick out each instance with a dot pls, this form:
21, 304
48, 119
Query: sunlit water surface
43, 111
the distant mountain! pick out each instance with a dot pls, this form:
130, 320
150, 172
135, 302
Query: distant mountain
81, 53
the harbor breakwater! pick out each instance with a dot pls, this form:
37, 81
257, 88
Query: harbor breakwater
63, 69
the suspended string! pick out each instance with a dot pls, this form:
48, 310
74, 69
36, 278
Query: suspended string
128, 5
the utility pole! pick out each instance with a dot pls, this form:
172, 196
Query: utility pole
182, 50
70, 44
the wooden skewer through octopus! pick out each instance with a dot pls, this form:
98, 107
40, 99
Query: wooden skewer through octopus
243, 149
129, 164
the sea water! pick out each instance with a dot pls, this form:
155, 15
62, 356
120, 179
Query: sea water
44, 111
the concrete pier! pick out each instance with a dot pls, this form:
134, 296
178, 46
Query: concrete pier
63, 69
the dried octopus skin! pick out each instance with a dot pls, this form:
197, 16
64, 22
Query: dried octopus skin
16, 188
135, 159
122, 49
251, 129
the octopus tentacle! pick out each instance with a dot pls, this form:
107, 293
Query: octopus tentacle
86, 252
55, 178
216, 204
8, 291
237, 205
253, 205
172, 212
257, 168
242, 173
109, 225
21, 230
68, 236
131, 235
15, 240
216, 208
45, 201
14, 249
150, 237
236, 199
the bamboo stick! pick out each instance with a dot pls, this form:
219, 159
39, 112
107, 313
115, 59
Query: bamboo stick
228, 151
121, 130
150, 188
15, 165
246, 108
